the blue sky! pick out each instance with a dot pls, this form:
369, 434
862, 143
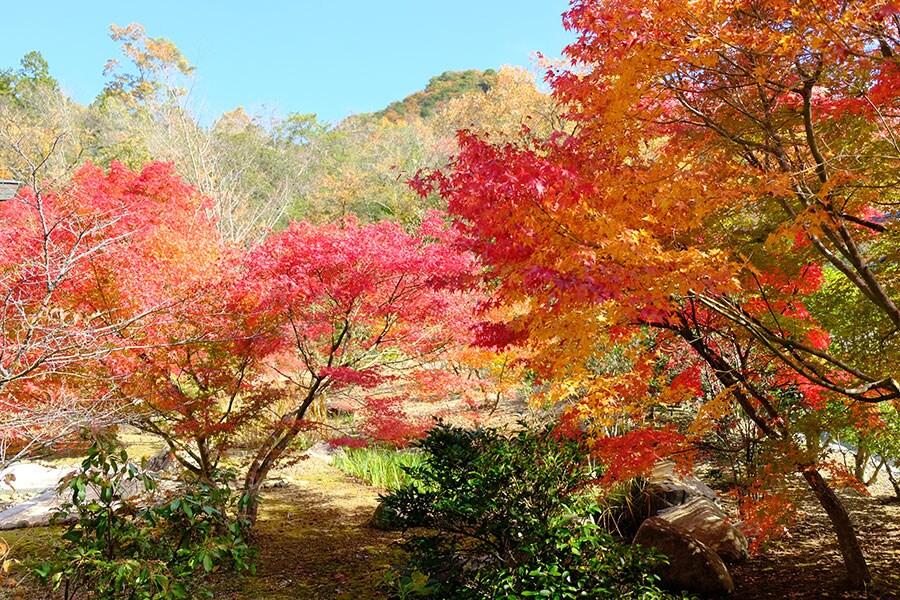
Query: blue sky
332, 59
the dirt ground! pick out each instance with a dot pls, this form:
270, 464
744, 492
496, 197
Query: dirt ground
808, 564
315, 540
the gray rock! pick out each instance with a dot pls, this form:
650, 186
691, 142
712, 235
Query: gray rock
384, 518
161, 462
35, 512
666, 489
324, 451
707, 522
692, 566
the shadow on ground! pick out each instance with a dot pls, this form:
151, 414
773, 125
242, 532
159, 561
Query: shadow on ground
315, 540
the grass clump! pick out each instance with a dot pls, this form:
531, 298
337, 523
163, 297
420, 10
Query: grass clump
380, 467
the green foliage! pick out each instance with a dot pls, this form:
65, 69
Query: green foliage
21, 83
299, 129
382, 467
116, 548
510, 519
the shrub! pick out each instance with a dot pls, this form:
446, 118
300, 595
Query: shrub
509, 518
116, 548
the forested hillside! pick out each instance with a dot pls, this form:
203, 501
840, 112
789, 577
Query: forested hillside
261, 169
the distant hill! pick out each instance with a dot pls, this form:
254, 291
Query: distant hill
440, 89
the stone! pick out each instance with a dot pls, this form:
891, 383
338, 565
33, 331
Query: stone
384, 518
35, 512
161, 462
707, 522
276, 484
692, 566
324, 451
666, 489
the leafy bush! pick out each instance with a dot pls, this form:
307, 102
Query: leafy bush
509, 519
114, 548
382, 467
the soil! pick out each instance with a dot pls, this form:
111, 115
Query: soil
315, 540
807, 564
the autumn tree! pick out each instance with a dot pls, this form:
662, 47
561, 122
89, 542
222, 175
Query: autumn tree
198, 382
244, 162
360, 167
512, 102
156, 66
38, 141
189, 373
365, 311
47, 244
438, 91
728, 163
77, 266
255, 340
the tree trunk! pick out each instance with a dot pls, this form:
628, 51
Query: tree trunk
874, 477
860, 462
854, 561
273, 448
892, 479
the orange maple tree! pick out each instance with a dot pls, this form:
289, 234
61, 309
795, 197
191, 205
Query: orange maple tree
729, 161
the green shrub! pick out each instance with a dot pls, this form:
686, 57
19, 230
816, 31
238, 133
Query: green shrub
115, 548
381, 467
508, 518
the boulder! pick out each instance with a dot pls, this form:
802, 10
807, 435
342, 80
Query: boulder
692, 566
707, 522
324, 451
666, 489
384, 518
